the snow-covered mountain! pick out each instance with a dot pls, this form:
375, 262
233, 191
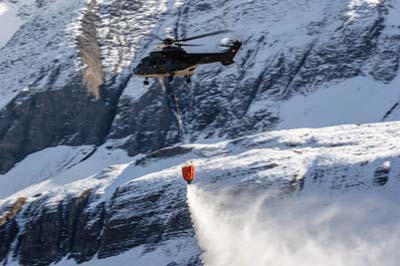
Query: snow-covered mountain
89, 157
135, 209
67, 71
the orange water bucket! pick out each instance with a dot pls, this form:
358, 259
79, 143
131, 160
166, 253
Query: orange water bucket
188, 172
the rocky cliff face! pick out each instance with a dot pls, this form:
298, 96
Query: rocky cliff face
67, 81
66, 88
83, 226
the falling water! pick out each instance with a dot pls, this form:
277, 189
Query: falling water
240, 230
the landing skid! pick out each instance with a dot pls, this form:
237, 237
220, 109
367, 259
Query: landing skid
170, 79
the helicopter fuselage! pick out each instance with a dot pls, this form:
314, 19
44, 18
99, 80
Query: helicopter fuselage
174, 61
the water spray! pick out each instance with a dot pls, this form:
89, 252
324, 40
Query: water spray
311, 229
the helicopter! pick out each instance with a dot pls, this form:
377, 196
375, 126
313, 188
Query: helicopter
173, 61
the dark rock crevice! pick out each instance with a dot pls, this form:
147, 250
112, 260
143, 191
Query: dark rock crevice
8, 234
390, 111
9, 227
88, 233
150, 125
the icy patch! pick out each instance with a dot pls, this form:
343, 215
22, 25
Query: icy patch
3, 8
354, 7
9, 22
357, 3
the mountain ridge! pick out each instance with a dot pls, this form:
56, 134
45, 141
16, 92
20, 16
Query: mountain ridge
90, 158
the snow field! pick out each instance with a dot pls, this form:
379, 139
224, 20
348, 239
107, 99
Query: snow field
358, 100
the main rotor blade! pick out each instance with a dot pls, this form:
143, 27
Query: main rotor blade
186, 44
156, 37
204, 35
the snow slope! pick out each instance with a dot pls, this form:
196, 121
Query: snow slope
358, 100
314, 193
9, 22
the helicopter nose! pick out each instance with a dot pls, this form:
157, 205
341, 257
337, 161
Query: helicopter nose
138, 70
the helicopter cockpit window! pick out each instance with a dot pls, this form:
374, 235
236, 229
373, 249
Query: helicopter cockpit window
145, 62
